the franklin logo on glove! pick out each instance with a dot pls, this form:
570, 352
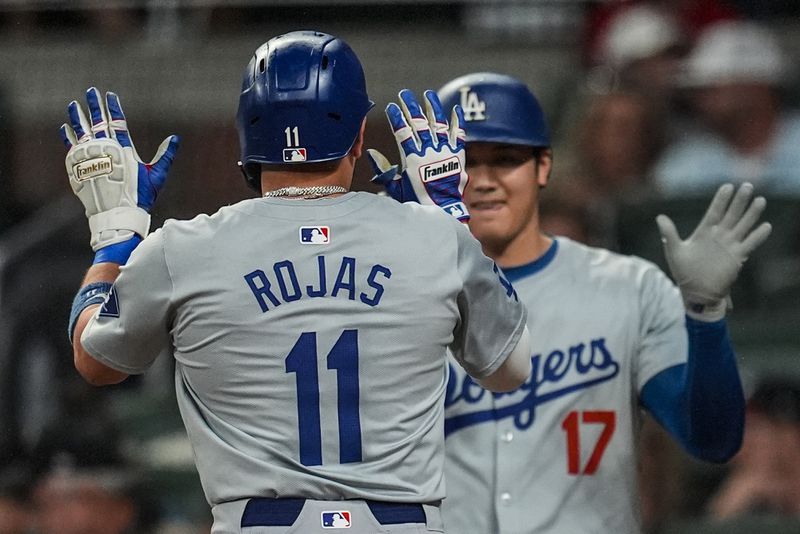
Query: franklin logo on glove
432, 168
437, 170
94, 168
115, 186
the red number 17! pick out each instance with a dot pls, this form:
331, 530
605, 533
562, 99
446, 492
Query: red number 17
571, 427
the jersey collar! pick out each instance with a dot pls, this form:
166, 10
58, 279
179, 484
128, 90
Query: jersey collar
513, 274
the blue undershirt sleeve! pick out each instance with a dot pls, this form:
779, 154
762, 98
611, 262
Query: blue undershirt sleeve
701, 403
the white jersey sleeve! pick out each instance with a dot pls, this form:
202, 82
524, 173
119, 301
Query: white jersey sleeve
485, 290
663, 339
131, 329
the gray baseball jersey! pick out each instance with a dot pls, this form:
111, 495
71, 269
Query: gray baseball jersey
559, 455
310, 341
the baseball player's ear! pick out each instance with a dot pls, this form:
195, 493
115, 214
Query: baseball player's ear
544, 164
358, 146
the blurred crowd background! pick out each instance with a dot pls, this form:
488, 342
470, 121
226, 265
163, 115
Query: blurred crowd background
652, 105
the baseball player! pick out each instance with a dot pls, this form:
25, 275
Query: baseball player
309, 334
612, 335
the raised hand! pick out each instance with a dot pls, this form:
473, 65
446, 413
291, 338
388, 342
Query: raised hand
116, 187
707, 263
432, 166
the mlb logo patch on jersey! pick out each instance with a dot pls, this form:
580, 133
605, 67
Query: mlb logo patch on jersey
315, 235
340, 519
294, 154
110, 307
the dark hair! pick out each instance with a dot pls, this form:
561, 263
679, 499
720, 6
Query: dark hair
777, 398
538, 151
16, 480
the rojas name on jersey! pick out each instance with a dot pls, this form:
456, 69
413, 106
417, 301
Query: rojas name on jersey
281, 284
559, 373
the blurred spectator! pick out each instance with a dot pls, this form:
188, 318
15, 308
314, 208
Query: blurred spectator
619, 138
733, 77
87, 485
692, 16
610, 152
16, 516
564, 216
765, 476
697, 15
616, 131
91, 499
641, 50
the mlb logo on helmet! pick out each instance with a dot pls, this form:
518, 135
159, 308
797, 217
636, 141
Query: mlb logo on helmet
295, 154
336, 519
315, 235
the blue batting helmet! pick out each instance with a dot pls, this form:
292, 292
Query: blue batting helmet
303, 100
497, 109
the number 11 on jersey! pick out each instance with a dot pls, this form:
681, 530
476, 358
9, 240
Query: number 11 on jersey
343, 357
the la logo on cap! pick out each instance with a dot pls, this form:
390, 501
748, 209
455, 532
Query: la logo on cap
474, 108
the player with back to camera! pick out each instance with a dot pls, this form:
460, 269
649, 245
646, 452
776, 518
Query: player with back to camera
310, 373
612, 335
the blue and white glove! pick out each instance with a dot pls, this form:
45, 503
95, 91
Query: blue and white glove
108, 176
432, 167
706, 264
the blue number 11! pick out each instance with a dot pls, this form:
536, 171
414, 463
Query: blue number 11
343, 357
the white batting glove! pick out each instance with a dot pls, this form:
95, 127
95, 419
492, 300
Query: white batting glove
707, 263
107, 175
433, 167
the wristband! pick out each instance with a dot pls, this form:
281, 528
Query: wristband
707, 313
94, 293
107, 225
118, 252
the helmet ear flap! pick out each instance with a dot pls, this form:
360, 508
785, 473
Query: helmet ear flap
252, 175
